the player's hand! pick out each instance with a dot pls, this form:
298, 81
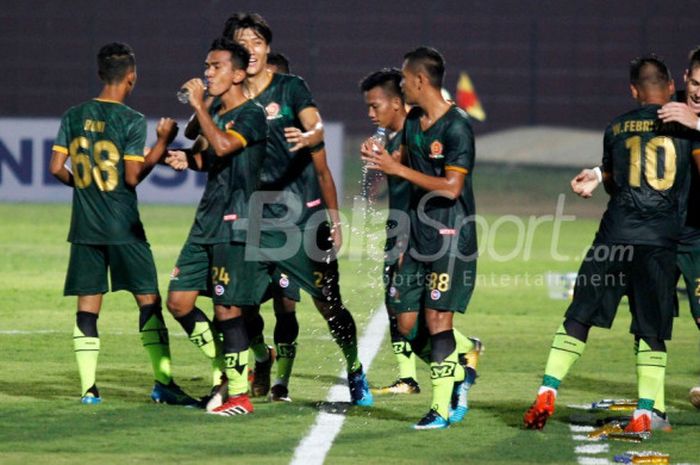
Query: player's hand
296, 138
196, 89
176, 159
584, 183
679, 113
380, 160
336, 236
167, 130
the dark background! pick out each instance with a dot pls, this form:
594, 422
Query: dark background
550, 62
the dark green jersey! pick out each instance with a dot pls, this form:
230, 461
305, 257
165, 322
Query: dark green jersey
231, 179
690, 233
99, 135
447, 145
283, 99
650, 167
399, 200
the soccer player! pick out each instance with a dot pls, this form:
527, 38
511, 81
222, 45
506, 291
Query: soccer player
297, 177
437, 274
105, 141
386, 109
688, 259
212, 261
645, 171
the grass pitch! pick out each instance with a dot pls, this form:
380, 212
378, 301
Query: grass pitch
42, 421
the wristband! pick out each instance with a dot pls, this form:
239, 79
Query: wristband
598, 173
317, 147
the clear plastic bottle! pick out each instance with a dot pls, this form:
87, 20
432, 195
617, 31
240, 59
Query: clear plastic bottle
379, 140
183, 95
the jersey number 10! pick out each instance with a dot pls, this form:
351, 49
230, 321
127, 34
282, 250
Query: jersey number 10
651, 162
105, 174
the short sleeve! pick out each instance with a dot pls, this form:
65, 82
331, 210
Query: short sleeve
136, 140
459, 147
62, 140
251, 125
300, 95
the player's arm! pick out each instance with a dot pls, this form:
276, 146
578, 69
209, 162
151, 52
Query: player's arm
137, 168
192, 129
58, 166
311, 136
680, 113
328, 193
449, 186
222, 143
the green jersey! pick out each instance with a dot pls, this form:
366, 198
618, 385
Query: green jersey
399, 200
293, 173
690, 233
231, 179
649, 164
99, 135
447, 145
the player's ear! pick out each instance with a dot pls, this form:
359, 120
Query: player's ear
671, 87
131, 78
396, 103
686, 74
239, 76
634, 91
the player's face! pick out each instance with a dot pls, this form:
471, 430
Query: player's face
381, 108
256, 46
219, 72
692, 89
409, 85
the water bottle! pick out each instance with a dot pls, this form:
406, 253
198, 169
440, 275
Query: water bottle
183, 95
379, 140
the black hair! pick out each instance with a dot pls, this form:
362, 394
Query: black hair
649, 71
239, 54
252, 21
279, 60
694, 59
388, 79
428, 60
114, 60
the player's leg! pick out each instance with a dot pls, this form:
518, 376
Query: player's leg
87, 279
86, 344
285, 336
405, 358
264, 355
189, 279
653, 305
688, 262
236, 283
132, 269
598, 290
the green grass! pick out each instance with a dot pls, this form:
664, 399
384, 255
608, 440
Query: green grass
41, 420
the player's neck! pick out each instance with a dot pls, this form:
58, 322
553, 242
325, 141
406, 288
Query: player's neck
232, 98
254, 85
114, 93
397, 123
433, 106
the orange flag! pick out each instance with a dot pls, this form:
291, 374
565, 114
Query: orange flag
467, 99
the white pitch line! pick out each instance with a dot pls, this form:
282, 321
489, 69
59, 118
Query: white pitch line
592, 461
592, 449
314, 447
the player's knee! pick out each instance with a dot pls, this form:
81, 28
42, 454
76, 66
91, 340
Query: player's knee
655, 344
576, 329
87, 323
177, 307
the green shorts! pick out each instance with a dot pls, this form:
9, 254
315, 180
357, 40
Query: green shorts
688, 266
131, 268
281, 285
446, 284
221, 272
646, 274
309, 260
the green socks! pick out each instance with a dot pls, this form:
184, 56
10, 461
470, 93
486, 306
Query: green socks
286, 353
651, 369
405, 358
201, 332
86, 345
154, 337
565, 351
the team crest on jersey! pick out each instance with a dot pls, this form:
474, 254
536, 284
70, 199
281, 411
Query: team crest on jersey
392, 291
284, 281
219, 290
272, 110
174, 274
436, 150
435, 294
